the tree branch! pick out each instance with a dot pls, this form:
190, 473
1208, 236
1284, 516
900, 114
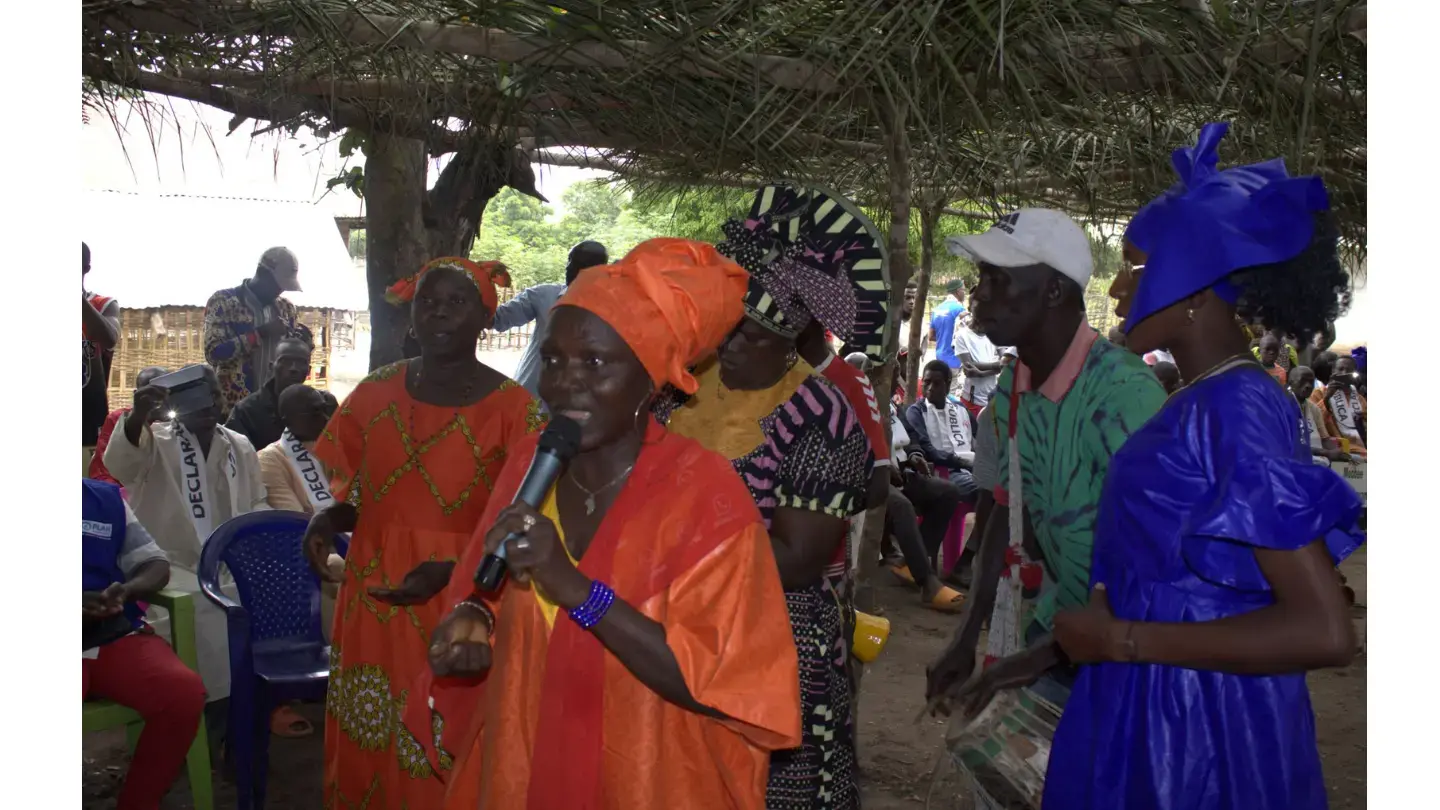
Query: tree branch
229, 18
340, 114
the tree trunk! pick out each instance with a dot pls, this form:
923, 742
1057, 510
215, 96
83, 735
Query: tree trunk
395, 235
929, 218
897, 155
478, 171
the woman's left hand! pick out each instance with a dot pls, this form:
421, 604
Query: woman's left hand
1092, 634
538, 554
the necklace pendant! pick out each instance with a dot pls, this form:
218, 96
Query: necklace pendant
590, 505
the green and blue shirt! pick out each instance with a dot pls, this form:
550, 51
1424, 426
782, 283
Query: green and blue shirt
1067, 430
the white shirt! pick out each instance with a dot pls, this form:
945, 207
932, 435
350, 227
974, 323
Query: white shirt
899, 438
153, 484
977, 389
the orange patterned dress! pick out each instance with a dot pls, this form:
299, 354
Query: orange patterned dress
421, 476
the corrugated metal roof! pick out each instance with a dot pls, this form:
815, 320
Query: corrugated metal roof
153, 250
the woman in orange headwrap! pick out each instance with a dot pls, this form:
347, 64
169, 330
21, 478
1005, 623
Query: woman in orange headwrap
416, 449
640, 656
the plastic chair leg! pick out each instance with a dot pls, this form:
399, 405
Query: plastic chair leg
262, 750
197, 768
240, 741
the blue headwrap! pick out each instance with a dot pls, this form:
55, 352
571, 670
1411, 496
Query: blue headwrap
1213, 223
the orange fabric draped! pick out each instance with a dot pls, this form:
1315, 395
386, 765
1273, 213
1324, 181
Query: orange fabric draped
672, 300
560, 722
486, 276
421, 476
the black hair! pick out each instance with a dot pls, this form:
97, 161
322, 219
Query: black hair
937, 365
297, 338
584, 256
1299, 296
84, 255
1324, 365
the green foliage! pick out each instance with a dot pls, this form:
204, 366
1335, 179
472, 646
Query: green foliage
692, 213
534, 242
353, 179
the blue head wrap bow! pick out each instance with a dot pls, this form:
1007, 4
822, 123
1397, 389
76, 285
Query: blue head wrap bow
1213, 223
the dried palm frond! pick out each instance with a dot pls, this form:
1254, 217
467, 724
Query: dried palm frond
1065, 102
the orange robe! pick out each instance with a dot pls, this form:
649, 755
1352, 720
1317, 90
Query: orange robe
421, 476
558, 721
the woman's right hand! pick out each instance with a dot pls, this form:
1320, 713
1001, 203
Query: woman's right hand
460, 645
320, 537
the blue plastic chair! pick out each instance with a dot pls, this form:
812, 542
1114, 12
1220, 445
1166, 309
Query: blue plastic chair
277, 644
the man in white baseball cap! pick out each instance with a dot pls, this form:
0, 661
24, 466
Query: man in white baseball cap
1028, 237
1082, 397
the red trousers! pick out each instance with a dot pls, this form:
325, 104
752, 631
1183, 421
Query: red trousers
142, 672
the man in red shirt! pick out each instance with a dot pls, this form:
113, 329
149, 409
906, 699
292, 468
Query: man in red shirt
97, 469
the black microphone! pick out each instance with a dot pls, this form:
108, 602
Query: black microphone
558, 444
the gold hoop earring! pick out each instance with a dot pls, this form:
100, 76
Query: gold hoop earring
645, 400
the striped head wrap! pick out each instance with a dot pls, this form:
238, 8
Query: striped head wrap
813, 254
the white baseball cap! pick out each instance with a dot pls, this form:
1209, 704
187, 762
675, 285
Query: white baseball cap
283, 267
1027, 237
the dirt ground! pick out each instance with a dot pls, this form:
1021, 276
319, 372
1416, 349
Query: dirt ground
898, 755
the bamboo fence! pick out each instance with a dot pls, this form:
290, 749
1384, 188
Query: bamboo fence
171, 337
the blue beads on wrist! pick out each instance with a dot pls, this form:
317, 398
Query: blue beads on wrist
595, 606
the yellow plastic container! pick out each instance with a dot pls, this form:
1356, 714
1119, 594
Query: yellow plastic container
871, 633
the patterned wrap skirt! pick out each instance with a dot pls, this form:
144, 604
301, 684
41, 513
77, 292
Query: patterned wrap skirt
820, 774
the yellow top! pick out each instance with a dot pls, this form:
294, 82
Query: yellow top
550, 510
728, 421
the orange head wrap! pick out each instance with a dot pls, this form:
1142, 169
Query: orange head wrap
672, 300
486, 276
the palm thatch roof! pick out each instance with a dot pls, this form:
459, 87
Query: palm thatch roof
1067, 102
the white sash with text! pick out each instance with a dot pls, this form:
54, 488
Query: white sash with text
312, 478
194, 482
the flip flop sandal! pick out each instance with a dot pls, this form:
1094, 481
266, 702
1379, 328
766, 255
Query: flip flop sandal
903, 573
947, 600
286, 723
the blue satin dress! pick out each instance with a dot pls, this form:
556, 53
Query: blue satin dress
1220, 471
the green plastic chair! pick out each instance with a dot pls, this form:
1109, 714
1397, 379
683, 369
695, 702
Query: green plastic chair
102, 715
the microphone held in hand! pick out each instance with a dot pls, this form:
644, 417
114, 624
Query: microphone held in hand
558, 444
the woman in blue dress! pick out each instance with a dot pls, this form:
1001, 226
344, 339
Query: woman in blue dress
1214, 578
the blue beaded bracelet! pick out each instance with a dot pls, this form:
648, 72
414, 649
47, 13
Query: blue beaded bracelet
595, 607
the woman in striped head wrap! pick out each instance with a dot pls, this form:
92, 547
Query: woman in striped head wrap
799, 446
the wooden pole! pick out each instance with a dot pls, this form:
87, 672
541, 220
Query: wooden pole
897, 156
929, 219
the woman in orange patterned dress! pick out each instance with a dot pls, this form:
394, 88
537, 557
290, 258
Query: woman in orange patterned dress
415, 451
